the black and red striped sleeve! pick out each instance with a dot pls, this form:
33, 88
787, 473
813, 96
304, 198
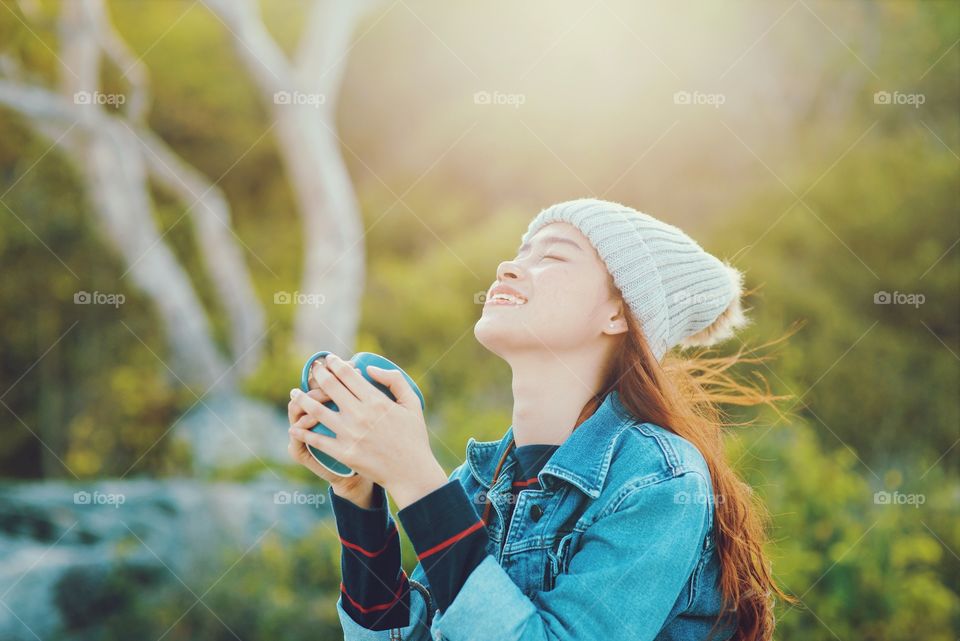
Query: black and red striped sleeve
375, 592
449, 537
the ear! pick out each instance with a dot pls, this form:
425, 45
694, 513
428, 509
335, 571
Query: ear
616, 323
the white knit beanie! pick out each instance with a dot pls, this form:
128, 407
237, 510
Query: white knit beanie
679, 293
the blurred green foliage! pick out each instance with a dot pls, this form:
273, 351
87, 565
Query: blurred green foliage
879, 378
861, 567
270, 591
876, 384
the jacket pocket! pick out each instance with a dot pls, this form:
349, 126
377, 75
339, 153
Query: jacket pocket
558, 558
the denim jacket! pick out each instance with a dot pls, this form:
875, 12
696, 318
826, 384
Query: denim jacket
621, 545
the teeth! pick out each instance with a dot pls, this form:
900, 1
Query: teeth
510, 299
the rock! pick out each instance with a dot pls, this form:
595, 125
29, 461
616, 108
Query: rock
224, 432
70, 551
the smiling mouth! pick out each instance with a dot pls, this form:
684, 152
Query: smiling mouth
505, 300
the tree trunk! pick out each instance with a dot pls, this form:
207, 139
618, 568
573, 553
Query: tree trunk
301, 98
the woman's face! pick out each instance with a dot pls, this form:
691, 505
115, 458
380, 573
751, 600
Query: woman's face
570, 302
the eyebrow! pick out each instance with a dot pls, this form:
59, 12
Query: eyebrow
555, 239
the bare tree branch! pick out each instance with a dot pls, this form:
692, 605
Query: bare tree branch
321, 55
301, 100
117, 51
37, 103
115, 160
264, 59
222, 257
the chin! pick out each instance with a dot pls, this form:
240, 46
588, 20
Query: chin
494, 334
501, 337
485, 333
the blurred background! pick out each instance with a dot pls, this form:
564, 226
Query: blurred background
197, 195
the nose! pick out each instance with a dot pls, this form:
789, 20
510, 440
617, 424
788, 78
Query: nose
508, 270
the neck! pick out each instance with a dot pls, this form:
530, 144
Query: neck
549, 392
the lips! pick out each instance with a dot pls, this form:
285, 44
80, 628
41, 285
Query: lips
505, 295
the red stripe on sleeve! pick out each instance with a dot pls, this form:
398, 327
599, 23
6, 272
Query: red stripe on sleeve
453, 539
354, 546
382, 606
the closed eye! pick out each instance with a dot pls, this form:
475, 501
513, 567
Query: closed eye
542, 257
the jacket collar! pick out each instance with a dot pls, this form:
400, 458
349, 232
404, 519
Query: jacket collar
582, 460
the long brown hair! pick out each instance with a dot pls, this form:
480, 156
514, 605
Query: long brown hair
683, 395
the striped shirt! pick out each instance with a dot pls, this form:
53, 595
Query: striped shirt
446, 531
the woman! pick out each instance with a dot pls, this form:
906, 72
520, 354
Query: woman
607, 510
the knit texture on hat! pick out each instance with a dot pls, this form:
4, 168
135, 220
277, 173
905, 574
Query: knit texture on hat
679, 293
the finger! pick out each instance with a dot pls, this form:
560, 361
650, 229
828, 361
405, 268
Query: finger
331, 385
397, 384
326, 444
299, 417
305, 422
351, 378
298, 451
312, 384
312, 378
294, 412
319, 395
317, 410
317, 367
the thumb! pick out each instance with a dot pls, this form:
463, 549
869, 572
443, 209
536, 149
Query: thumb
397, 384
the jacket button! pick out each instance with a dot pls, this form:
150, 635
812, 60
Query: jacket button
536, 512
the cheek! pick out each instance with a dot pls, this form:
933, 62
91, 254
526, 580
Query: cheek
563, 297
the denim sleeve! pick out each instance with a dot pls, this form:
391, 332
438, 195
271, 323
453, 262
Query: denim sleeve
622, 583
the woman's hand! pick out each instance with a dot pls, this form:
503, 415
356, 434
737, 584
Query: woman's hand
356, 488
383, 440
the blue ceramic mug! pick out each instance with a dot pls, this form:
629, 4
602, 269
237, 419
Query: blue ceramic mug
360, 360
